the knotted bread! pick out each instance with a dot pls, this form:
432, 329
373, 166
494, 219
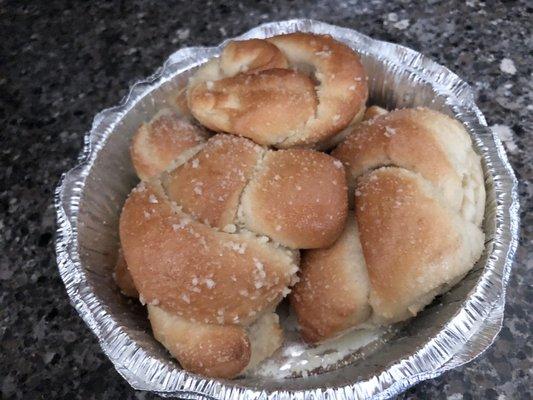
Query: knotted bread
298, 89
419, 196
211, 242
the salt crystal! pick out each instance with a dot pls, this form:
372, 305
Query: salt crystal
230, 228
183, 223
389, 131
278, 228
337, 164
263, 239
210, 283
185, 298
152, 199
237, 247
195, 163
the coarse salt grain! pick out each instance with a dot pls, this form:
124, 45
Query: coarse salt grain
263, 239
230, 228
152, 199
195, 163
389, 131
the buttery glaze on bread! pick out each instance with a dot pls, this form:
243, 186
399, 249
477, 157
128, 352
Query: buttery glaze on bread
298, 89
208, 247
196, 271
296, 197
419, 203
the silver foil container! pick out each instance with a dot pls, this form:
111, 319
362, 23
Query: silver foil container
453, 330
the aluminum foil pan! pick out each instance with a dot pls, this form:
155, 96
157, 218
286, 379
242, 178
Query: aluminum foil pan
456, 328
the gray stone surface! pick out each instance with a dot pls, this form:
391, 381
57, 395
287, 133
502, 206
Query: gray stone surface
61, 62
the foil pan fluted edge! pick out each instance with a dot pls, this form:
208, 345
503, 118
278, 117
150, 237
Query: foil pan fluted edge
474, 315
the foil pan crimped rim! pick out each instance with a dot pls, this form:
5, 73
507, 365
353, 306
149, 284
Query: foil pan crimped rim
467, 334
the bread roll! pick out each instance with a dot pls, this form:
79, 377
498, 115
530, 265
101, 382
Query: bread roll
208, 245
417, 188
297, 89
415, 245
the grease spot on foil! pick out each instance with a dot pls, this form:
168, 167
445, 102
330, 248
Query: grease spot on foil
297, 358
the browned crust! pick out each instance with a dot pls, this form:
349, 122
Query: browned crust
397, 138
412, 243
277, 106
298, 198
158, 143
209, 185
219, 351
420, 140
342, 91
195, 271
332, 294
263, 106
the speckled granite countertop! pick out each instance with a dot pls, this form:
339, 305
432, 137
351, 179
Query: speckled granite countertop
62, 62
